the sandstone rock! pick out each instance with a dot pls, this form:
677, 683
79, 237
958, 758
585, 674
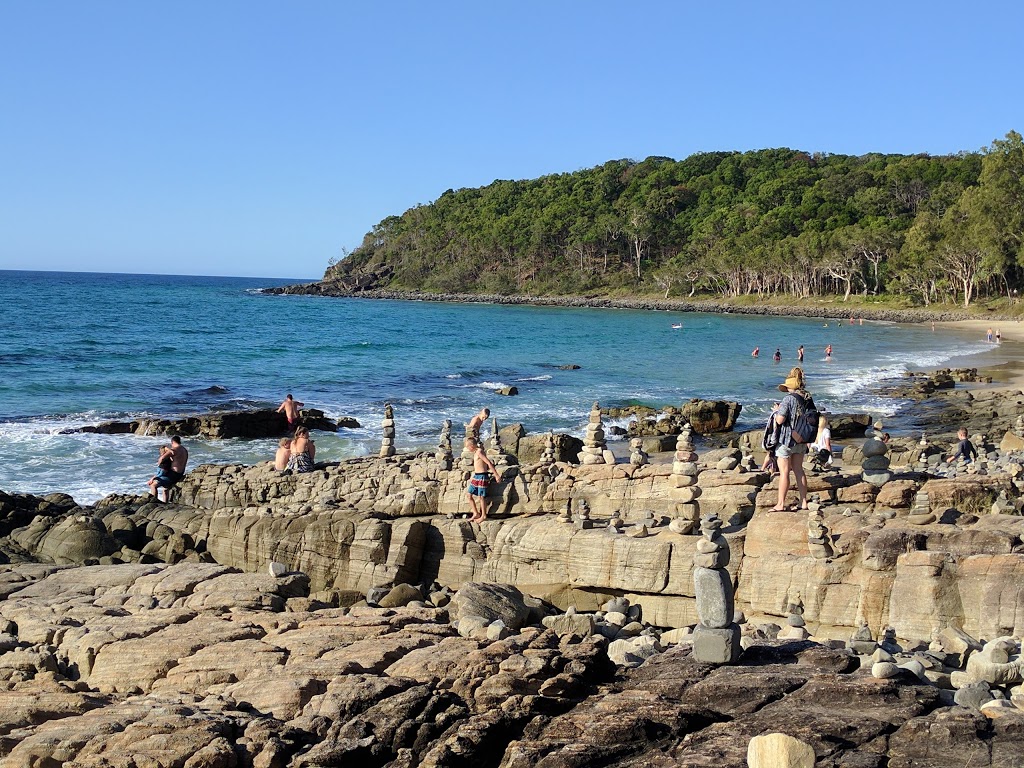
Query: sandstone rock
491, 602
777, 750
399, 595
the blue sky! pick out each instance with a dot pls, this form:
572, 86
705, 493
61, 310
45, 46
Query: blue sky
260, 138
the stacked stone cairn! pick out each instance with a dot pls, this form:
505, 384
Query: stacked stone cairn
387, 443
443, 454
685, 490
875, 467
795, 628
595, 449
583, 521
498, 454
466, 457
547, 457
716, 638
819, 540
921, 513
616, 524
565, 516
638, 457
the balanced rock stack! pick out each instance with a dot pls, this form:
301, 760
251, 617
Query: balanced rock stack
547, 457
921, 513
819, 540
795, 628
716, 638
685, 490
595, 450
875, 467
638, 457
466, 457
387, 443
498, 454
444, 446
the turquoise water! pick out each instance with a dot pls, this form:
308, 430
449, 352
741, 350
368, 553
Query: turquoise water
80, 348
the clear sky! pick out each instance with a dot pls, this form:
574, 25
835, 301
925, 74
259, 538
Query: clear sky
260, 138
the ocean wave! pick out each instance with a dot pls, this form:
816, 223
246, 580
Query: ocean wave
543, 377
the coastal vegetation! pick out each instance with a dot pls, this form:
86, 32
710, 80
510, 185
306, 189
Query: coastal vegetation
767, 225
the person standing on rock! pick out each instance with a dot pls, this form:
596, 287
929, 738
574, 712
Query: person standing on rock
290, 408
477, 422
167, 478
483, 471
788, 451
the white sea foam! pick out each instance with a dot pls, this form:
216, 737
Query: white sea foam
454, 376
544, 377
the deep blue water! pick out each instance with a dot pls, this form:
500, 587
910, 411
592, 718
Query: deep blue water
79, 348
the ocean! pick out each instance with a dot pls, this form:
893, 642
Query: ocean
81, 348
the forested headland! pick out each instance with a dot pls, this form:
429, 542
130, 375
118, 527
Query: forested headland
774, 224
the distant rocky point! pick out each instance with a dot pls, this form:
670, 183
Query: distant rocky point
220, 425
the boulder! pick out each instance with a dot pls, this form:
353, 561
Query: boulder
491, 602
777, 750
707, 416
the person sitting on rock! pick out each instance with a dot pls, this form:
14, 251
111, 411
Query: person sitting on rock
303, 452
964, 449
173, 459
822, 445
284, 452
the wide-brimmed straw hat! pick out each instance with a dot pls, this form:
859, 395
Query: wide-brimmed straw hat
795, 380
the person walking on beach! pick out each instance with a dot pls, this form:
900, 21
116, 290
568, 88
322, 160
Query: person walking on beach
290, 408
777, 357
800, 353
483, 471
756, 352
999, 337
789, 452
988, 335
828, 354
964, 449
477, 422
302, 452
169, 476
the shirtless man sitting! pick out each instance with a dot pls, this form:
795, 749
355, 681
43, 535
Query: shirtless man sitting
290, 408
168, 478
483, 470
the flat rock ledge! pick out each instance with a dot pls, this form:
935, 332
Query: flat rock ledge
199, 665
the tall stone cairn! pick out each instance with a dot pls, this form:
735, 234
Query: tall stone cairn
547, 457
716, 638
594, 445
387, 443
684, 489
466, 457
497, 453
875, 467
638, 457
819, 539
444, 446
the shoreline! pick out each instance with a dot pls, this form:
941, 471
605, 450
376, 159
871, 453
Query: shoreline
820, 308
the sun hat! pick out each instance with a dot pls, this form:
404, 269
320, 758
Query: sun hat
795, 380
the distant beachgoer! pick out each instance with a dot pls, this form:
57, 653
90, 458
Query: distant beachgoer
788, 452
777, 357
284, 452
172, 462
800, 353
828, 354
988, 335
964, 449
478, 421
290, 408
302, 452
933, 326
756, 352
862, 321
999, 337
483, 471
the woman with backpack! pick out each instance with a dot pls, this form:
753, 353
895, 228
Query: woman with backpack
793, 419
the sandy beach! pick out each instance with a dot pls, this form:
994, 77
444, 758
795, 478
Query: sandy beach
1007, 370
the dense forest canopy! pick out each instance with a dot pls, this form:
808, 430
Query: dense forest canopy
770, 223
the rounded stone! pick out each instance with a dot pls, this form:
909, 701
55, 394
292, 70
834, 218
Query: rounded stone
874, 447
883, 670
